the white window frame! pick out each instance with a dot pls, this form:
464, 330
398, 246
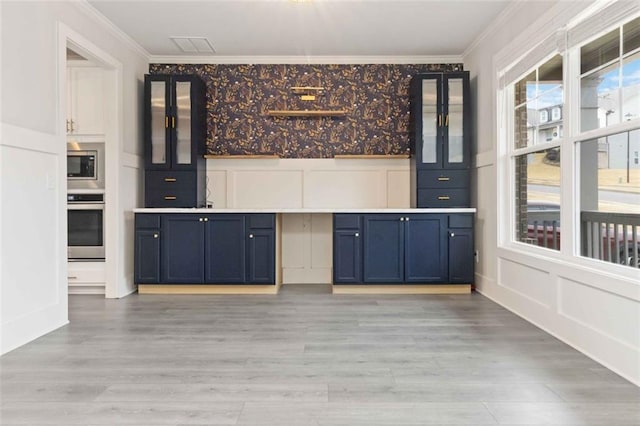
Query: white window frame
614, 15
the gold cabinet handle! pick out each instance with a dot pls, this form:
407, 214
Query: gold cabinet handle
444, 179
166, 121
439, 120
443, 197
170, 197
170, 179
173, 122
67, 126
446, 121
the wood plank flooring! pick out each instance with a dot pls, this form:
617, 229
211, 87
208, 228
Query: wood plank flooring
305, 357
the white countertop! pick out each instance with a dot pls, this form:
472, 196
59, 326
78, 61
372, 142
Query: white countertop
302, 210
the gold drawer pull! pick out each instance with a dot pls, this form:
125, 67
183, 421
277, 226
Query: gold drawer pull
443, 197
444, 179
170, 197
170, 179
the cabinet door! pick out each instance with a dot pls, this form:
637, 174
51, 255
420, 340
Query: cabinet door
87, 101
182, 249
461, 256
347, 261
261, 257
428, 121
425, 248
147, 256
456, 151
225, 251
157, 122
383, 248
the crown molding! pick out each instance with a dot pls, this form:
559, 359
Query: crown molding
510, 10
178, 59
92, 12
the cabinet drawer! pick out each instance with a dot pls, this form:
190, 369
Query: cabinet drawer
346, 221
170, 189
446, 197
144, 220
461, 221
443, 178
261, 221
86, 272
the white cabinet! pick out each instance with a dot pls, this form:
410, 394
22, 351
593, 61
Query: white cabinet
85, 101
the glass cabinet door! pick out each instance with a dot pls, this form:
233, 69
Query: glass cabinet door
183, 122
159, 122
454, 121
430, 123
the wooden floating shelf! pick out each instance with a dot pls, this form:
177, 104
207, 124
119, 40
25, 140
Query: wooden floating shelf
307, 113
242, 157
369, 157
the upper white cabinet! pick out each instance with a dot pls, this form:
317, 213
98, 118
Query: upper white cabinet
85, 101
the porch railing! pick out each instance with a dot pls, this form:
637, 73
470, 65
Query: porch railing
611, 237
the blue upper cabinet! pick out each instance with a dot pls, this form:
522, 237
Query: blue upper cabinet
175, 132
440, 139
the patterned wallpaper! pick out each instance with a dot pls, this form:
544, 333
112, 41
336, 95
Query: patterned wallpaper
375, 96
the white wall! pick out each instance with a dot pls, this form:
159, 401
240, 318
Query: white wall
596, 312
33, 269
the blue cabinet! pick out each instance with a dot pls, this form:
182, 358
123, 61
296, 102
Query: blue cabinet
440, 139
383, 248
460, 242
425, 248
419, 248
175, 131
147, 249
208, 249
182, 249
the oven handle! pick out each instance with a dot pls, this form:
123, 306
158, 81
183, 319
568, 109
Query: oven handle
85, 206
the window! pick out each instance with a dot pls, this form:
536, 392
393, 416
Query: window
610, 73
609, 209
538, 100
600, 135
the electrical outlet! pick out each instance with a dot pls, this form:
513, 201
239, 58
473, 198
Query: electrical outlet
476, 256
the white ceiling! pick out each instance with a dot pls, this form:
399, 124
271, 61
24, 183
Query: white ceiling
315, 28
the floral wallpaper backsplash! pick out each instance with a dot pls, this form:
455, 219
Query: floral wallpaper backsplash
374, 96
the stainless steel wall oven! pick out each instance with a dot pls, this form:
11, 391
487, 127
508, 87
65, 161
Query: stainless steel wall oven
85, 221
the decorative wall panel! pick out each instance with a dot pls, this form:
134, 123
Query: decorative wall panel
375, 97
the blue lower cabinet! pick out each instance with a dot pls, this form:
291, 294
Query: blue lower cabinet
147, 256
425, 251
347, 257
225, 249
418, 248
460, 242
205, 249
261, 256
383, 248
183, 249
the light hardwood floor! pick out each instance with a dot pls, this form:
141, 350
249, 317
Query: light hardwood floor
306, 357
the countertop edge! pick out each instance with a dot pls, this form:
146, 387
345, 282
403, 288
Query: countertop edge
305, 210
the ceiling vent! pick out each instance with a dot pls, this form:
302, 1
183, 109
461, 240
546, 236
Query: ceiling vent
193, 44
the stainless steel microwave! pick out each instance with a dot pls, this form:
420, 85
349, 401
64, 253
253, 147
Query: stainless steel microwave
85, 165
